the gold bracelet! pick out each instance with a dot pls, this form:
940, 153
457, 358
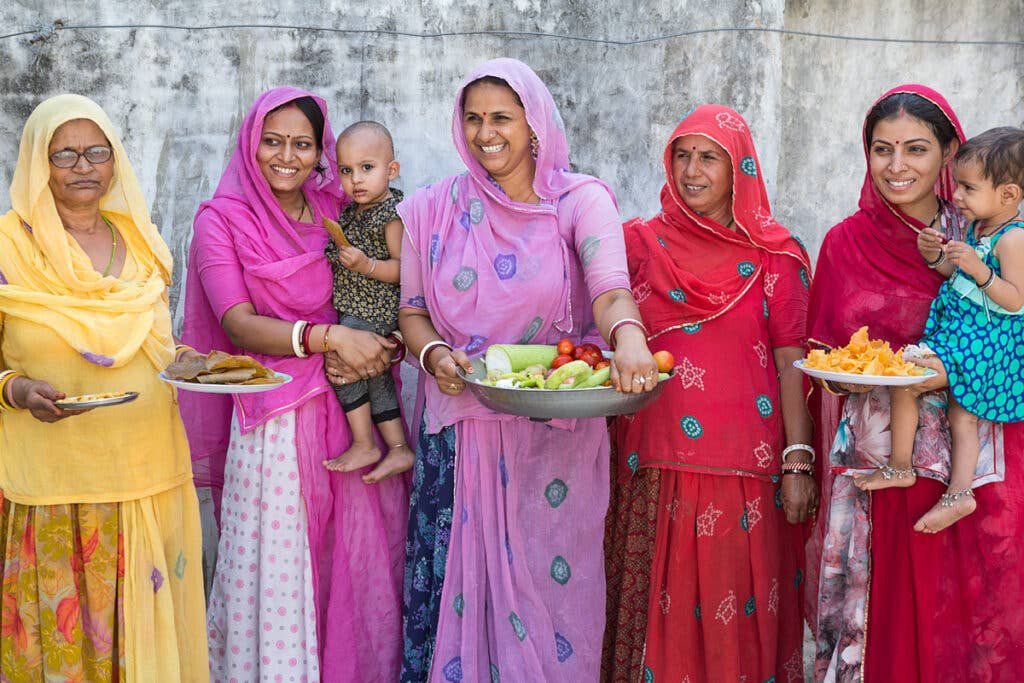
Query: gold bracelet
327, 331
179, 349
6, 377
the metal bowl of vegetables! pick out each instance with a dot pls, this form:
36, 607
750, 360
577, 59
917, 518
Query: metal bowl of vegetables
499, 389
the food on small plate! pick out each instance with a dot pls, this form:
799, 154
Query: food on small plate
863, 356
218, 367
90, 398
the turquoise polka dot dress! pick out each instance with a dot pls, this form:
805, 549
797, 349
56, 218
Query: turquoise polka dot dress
980, 343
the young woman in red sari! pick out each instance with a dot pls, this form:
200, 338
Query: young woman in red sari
699, 508
940, 606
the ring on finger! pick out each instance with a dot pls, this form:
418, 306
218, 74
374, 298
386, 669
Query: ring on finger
453, 387
639, 380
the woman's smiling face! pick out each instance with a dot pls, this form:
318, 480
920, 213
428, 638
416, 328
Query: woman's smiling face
496, 131
905, 159
702, 172
287, 151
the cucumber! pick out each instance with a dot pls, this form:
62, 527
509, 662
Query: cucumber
504, 358
597, 379
577, 371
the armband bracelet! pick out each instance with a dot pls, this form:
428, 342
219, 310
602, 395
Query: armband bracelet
426, 349
989, 281
937, 262
622, 323
297, 329
797, 447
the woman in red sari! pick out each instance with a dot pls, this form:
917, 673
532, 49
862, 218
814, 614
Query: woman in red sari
940, 606
699, 508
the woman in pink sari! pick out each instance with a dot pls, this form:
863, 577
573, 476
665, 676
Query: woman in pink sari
941, 606
307, 557
505, 577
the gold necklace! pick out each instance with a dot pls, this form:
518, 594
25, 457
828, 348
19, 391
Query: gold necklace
113, 245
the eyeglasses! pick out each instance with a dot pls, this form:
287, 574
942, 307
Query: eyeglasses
68, 158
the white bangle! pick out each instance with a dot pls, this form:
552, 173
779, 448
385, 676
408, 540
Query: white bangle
797, 447
297, 338
373, 266
426, 349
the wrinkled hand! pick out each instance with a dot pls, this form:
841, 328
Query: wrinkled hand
799, 497
445, 363
939, 381
929, 244
38, 398
633, 370
963, 256
354, 259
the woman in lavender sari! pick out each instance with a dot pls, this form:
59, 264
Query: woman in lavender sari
504, 570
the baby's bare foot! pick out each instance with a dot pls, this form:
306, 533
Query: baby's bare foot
399, 459
951, 508
885, 477
356, 457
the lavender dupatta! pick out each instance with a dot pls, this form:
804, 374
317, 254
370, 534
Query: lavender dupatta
523, 595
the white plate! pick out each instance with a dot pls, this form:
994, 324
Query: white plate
227, 388
127, 397
870, 380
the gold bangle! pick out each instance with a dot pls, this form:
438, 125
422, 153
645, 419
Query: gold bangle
179, 349
327, 331
6, 378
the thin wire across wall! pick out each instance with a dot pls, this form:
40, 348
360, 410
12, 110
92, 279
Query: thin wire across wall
45, 31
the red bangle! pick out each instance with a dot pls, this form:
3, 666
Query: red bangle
797, 467
306, 332
623, 323
400, 351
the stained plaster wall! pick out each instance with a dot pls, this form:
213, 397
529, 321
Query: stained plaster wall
179, 95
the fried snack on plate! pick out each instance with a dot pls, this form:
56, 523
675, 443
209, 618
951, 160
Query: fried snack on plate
89, 398
221, 368
863, 356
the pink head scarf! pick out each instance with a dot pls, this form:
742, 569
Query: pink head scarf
286, 275
482, 254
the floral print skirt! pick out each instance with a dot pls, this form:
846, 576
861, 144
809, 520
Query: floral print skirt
74, 573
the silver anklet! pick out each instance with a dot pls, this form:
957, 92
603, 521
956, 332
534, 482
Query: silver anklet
895, 473
947, 499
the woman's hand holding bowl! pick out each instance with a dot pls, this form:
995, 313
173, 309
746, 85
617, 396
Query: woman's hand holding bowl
633, 370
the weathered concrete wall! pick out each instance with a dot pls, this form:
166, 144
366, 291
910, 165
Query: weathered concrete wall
179, 96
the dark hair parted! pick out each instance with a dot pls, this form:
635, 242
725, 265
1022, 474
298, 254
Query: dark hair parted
1000, 151
914, 105
490, 80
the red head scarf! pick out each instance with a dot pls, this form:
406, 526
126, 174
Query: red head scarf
695, 264
869, 270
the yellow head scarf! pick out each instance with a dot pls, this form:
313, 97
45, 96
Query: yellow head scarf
50, 280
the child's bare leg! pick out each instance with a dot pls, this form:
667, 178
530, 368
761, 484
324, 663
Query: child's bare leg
899, 472
363, 450
399, 458
955, 503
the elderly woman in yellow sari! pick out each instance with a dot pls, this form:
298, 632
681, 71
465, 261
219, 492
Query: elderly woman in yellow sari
99, 527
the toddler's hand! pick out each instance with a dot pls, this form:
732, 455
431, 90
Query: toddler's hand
963, 256
353, 259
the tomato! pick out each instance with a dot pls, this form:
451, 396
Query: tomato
566, 347
601, 365
594, 348
560, 360
664, 360
591, 358
578, 352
